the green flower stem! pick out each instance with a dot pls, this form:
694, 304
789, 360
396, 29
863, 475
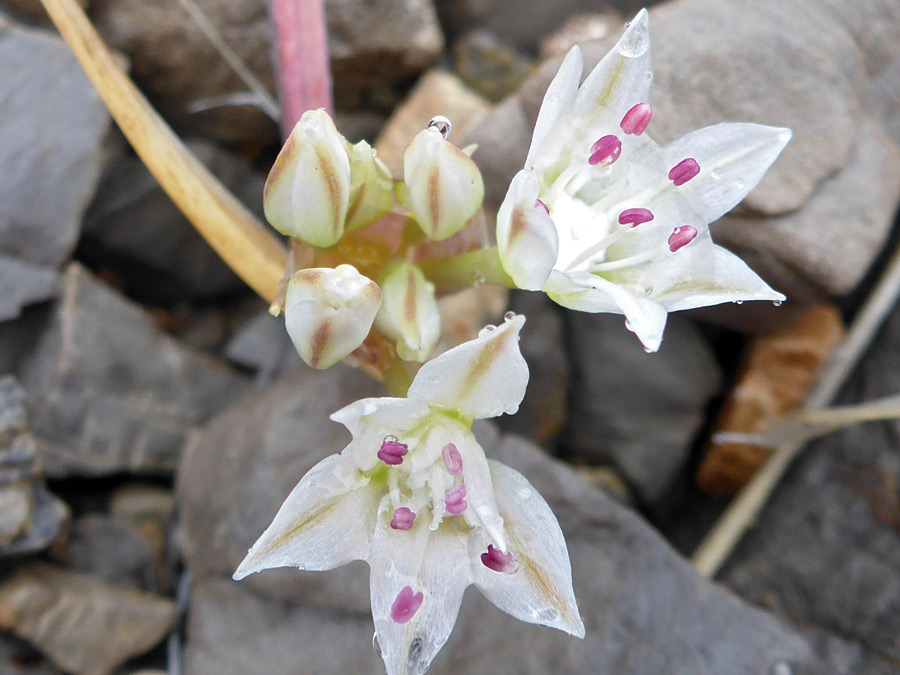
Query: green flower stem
467, 269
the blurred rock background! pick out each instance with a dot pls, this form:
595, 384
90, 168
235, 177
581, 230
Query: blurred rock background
153, 417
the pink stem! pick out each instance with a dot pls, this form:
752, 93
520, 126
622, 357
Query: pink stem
304, 75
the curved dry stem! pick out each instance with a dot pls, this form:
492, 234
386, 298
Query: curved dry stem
244, 243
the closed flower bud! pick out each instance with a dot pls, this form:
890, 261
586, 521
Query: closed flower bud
307, 193
329, 312
444, 185
371, 186
409, 314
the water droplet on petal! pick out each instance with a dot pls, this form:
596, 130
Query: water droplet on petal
777, 303
442, 124
375, 645
739, 302
487, 330
509, 316
739, 183
715, 174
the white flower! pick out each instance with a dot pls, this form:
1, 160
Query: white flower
603, 219
414, 496
409, 312
329, 312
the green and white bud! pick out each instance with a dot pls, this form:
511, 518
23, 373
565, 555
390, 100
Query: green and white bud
371, 186
409, 313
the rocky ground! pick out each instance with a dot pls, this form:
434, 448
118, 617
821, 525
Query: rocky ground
153, 417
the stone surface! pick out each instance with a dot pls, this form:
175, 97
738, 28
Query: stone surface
825, 551
32, 9
50, 151
488, 65
637, 411
263, 345
111, 549
140, 235
373, 46
85, 626
17, 657
31, 518
542, 415
783, 63
645, 610
109, 392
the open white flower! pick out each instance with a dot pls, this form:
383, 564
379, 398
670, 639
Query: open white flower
603, 219
414, 496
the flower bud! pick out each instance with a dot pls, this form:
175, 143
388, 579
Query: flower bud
329, 312
371, 186
409, 314
527, 239
308, 190
445, 188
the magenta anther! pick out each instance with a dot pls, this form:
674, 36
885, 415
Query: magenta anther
682, 172
403, 518
497, 560
681, 236
452, 459
392, 451
406, 605
455, 500
635, 217
636, 119
605, 151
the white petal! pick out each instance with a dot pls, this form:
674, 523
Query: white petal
409, 312
703, 274
434, 563
329, 312
557, 102
589, 293
445, 187
371, 187
622, 79
481, 378
733, 158
527, 240
540, 590
308, 190
370, 420
326, 521
482, 509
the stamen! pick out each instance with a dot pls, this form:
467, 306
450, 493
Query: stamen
452, 459
636, 120
681, 236
392, 451
605, 151
635, 217
682, 172
406, 605
540, 204
403, 519
497, 560
455, 500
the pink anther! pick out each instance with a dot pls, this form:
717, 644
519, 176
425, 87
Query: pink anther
406, 605
682, 172
635, 217
605, 151
403, 519
455, 500
392, 451
452, 459
497, 560
681, 236
636, 119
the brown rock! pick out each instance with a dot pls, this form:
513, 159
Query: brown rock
85, 626
490, 66
581, 28
437, 93
777, 373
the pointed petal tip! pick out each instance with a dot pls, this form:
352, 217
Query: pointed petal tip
245, 569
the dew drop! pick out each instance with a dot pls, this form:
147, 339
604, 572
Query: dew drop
716, 174
649, 76
524, 493
635, 43
412, 657
647, 350
739, 184
739, 302
375, 645
777, 303
442, 124
487, 330
509, 316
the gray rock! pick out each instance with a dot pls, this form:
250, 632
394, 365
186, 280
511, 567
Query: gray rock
111, 549
50, 151
85, 626
542, 415
637, 411
31, 518
825, 552
31, 9
19, 658
645, 610
784, 63
373, 46
489, 65
146, 240
263, 345
109, 392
